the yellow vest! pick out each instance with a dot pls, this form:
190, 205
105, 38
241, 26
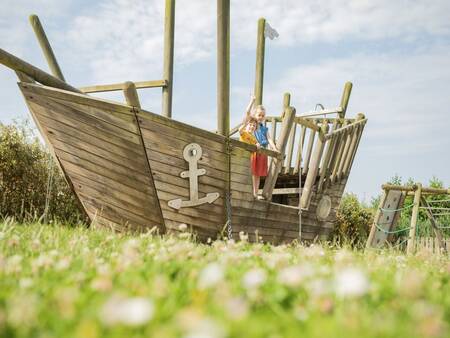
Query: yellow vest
247, 137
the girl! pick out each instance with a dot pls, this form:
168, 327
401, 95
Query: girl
259, 164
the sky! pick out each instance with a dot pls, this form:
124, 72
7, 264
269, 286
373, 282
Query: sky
396, 53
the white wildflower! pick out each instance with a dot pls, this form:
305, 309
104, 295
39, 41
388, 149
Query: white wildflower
293, 275
237, 308
254, 278
25, 283
210, 276
243, 236
127, 311
351, 282
182, 227
206, 328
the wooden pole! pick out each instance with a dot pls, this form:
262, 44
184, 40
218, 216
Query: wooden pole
439, 191
169, 34
35, 73
376, 219
223, 67
345, 98
314, 168
436, 230
45, 46
275, 164
414, 217
260, 50
131, 95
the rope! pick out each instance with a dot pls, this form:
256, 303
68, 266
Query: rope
391, 232
439, 201
228, 192
434, 208
395, 210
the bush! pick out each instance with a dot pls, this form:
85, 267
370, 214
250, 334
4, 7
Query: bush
31, 186
353, 221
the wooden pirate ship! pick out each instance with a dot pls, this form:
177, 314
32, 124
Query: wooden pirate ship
131, 168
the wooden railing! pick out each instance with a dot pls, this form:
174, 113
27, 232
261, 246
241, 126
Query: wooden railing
321, 149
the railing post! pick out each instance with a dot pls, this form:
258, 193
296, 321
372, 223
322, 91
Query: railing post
260, 51
415, 214
314, 168
131, 95
45, 46
223, 67
275, 164
169, 33
376, 219
345, 98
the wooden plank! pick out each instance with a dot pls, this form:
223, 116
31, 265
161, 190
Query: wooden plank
60, 113
414, 216
311, 138
339, 155
301, 143
290, 149
314, 169
30, 90
119, 86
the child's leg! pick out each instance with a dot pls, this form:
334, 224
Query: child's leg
255, 180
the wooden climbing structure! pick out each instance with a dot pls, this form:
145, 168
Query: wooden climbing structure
135, 169
392, 204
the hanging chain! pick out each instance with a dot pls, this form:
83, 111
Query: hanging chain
228, 190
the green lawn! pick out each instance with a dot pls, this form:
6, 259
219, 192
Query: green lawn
57, 281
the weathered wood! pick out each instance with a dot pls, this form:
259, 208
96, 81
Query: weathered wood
312, 136
169, 35
45, 46
436, 230
290, 149
259, 67
415, 213
131, 95
284, 191
313, 170
376, 220
352, 147
120, 86
223, 67
301, 142
35, 73
339, 154
345, 98
275, 164
438, 191
273, 131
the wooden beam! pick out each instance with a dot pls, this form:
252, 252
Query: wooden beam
259, 71
19, 65
345, 98
275, 164
223, 67
313, 170
169, 34
436, 230
437, 191
414, 216
131, 95
376, 219
120, 86
45, 46
283, 191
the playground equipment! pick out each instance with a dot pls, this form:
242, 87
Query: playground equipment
131, 168
391, 205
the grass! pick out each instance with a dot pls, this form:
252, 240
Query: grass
57, 281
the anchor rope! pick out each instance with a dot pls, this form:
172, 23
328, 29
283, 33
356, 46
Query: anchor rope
228, 191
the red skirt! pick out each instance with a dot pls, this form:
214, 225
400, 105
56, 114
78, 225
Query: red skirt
259, 164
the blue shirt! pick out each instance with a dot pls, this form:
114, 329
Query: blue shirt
261, 135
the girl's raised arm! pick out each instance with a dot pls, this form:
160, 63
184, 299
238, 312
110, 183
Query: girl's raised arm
249, 107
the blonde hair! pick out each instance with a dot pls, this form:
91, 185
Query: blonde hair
259, 108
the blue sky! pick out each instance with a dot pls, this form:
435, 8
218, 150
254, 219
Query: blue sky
397, 54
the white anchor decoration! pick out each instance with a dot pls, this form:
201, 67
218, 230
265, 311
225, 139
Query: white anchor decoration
192, 153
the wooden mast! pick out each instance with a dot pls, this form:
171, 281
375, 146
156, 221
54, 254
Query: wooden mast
259, 72
223, 67
45, 46
169, 33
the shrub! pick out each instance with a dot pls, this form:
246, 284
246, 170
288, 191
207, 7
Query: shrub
31, 186
353, 221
